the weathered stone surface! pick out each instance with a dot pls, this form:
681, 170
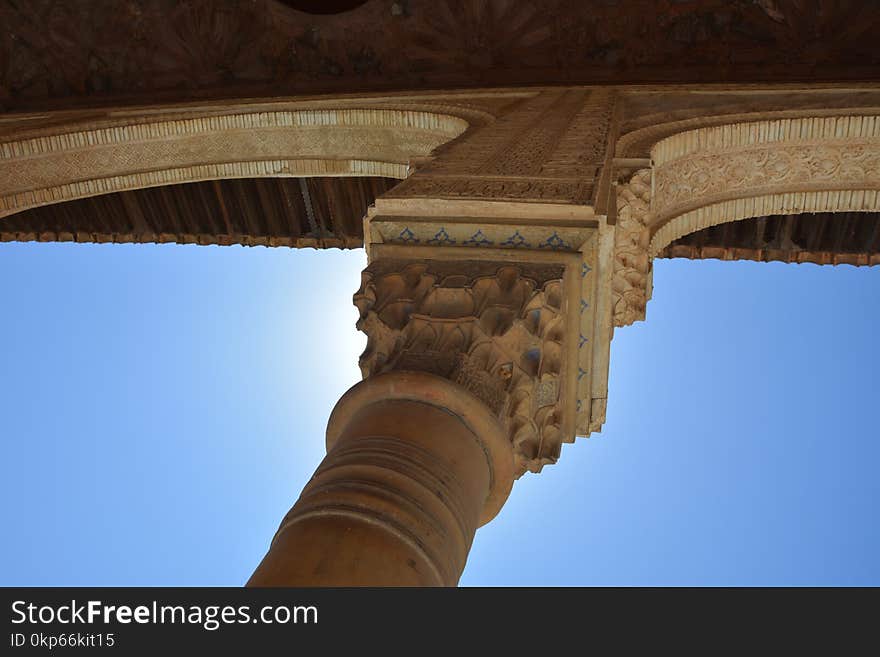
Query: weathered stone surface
495, 329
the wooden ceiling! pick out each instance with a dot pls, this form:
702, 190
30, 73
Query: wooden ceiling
105, 53
823, 238
90, 53
297, 212
328, 212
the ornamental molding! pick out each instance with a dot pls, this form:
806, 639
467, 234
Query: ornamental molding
496, 188
655, 127
451, 232
710, 176
630, 283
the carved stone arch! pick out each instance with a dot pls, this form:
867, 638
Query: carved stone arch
642, 135
710, 176
723, 173
78, 157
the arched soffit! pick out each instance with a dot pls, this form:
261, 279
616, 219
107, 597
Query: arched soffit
91, 158
710, 176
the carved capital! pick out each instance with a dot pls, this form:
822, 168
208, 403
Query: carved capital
496, 329
632, 263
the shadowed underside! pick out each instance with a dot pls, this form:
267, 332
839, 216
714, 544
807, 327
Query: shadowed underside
97, 52
823, 238
321, 212
325, 212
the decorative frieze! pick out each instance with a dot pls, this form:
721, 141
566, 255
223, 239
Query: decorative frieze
713, 175
516, 189
547, 148
513, 235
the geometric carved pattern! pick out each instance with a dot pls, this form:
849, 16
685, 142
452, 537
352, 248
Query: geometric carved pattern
428, 186
548, 147
496, 329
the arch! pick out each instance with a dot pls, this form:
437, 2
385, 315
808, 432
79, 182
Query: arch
709, 176
129, 150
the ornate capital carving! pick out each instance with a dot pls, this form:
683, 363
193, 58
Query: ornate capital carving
496, 329
632, 264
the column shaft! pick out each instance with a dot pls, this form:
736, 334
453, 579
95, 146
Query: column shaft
395, 502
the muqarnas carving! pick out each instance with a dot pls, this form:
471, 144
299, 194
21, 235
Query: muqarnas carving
495, 329
632, 264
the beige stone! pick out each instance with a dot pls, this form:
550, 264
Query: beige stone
521, 235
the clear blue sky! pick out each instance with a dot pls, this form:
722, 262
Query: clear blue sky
162, 406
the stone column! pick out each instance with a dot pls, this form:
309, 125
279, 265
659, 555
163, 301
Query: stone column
414, 464
488, 312
470, 376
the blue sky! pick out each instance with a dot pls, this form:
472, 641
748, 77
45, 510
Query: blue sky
163, 405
